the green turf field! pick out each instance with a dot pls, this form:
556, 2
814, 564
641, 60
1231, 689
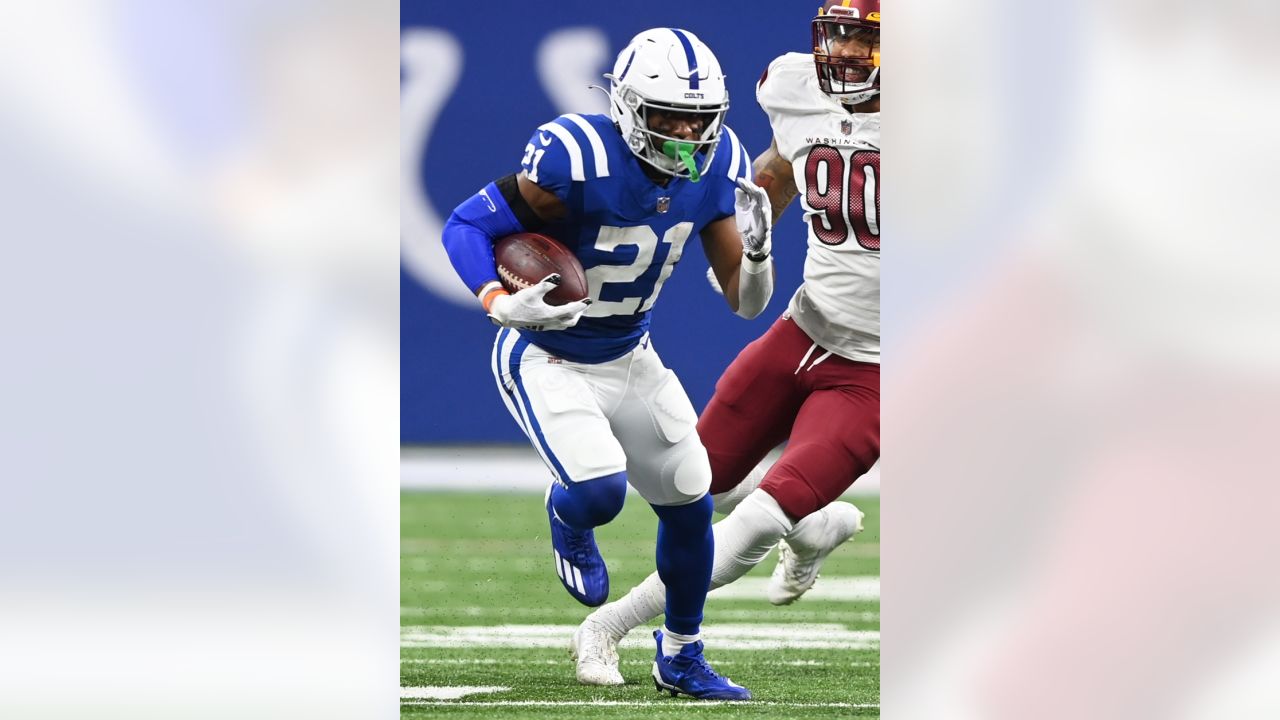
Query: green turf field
481, 607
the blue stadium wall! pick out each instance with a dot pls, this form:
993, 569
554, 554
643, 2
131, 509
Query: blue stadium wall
476, 79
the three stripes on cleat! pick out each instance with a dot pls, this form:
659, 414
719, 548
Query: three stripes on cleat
569, 573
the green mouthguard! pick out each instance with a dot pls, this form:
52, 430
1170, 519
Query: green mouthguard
683, 152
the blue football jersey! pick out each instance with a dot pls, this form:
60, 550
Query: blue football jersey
628, 231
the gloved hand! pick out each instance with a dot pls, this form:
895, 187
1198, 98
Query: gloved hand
528, 309
754, 215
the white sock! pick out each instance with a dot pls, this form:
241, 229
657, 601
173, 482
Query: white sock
742, 540
641, 605
745, 537
673, 643
725, 502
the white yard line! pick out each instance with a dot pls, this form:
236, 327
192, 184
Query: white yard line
850, 589
639, 662
447, 692
721, 637
690, 705
721, 613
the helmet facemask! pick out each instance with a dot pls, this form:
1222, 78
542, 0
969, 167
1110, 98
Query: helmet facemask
849, 79
632, 112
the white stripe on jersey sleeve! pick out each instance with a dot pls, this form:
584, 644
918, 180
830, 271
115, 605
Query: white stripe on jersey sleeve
736, 148
597, 145
571, 144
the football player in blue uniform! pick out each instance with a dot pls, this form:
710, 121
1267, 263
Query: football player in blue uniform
624, 193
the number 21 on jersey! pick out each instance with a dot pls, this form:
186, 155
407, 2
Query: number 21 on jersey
843, 194
628, 289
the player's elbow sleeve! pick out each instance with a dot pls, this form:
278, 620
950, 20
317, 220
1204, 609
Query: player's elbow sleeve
470, 232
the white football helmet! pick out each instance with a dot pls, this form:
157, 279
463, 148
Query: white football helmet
672, 70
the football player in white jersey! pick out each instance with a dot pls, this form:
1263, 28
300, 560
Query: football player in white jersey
814, 378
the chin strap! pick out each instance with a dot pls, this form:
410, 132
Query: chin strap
684, 153
860, 96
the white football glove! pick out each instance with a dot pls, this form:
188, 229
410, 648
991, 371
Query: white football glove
754, 215
528, 309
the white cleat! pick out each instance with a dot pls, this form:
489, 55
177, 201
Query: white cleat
801, 552
595, 651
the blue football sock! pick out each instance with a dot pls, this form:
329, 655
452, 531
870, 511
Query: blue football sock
686, 549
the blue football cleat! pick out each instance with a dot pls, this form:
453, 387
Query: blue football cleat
690, 674
578, 561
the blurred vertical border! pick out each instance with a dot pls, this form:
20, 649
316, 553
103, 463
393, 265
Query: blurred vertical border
1080, 312
200, 379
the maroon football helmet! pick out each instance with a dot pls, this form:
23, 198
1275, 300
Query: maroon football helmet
846, 49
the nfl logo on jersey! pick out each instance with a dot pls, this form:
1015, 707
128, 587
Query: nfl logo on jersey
664, 204
846, 127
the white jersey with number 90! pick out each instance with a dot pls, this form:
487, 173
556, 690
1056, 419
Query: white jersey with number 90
835, 157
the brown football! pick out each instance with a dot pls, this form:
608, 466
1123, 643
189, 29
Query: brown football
523, 259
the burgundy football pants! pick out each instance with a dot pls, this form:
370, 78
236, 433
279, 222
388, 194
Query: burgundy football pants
780, 388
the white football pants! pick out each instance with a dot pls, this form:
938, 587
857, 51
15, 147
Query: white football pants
592, 420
